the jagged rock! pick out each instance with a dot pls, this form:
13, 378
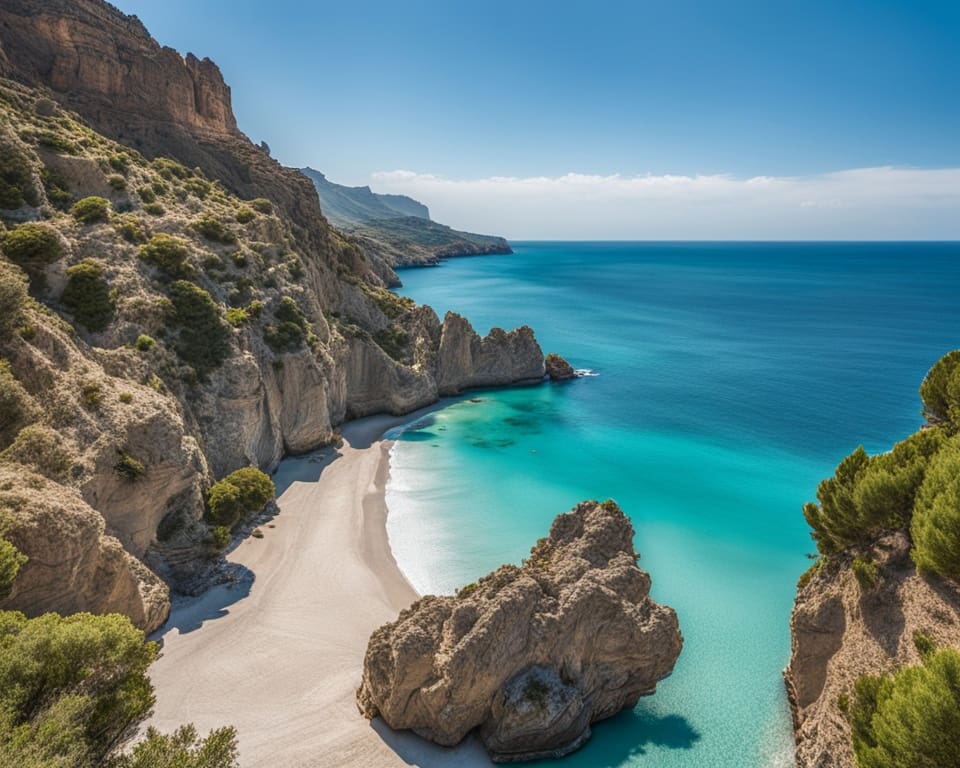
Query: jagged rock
532, 655
558, 369
841, 631
465, 360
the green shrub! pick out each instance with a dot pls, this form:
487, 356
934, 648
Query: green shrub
392, 305
910, 719
70, 687
90, 394
394, 341
128, 467
935, 527
90, 210
924, 643
940, 390
16, 184
198, 187
214, 229
261, 205
11, 560
16, 405
154, 209
40, 447
291, 329
87, 295
32, 247
132, 230
119, 162
170, 169
812, 571
221, 537
183, 749
237, 317
13, 296
125, 397
245, 215
168, 253
866, 572
238, 495
145, 343
204, 339
147, 194
117, 182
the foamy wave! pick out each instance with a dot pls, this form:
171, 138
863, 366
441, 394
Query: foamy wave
585, 373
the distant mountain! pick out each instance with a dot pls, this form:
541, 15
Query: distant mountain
397, 228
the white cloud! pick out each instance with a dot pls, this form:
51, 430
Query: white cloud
865, 203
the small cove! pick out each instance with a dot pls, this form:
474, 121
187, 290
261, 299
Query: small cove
732, 378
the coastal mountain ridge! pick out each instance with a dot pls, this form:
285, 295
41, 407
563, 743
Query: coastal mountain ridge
396, 228
176, 307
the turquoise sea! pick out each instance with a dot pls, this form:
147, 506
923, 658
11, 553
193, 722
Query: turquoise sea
731, 377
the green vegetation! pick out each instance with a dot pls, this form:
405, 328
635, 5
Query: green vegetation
935, 528
57, 189
145, 343
261, 205
245, 215
90, 395
220, 535
394, 341
87, 295
42, 448
13, 296
154, 209
940, 391
91, 210
182, 749
32, 247
290, 330
237, 317
910, 719
214, 229
16, 185
70, 687
868, 495
132, 230
117, 182
204, 339
924, 643
392, 305
147, 194
169, 254
170, 169
128, 467
11, 559
16, 405
866, 573
239, 495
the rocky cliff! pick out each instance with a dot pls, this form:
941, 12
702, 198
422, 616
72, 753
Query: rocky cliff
200, 317
530, 656
842, 629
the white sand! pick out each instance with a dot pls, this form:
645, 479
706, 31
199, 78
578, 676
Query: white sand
282, 661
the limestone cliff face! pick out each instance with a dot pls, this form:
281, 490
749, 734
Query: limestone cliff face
466, 360
355, 348
533, 655
841, 630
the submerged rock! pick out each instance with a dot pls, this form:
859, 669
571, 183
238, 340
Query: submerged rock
532, 655
558, 369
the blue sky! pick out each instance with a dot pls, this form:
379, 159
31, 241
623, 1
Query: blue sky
468, 92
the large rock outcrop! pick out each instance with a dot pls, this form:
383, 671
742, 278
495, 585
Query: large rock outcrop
842, 630
530, 656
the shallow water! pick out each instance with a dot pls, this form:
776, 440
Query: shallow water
732, 378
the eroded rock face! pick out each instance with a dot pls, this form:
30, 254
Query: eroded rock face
532, 655
558, 369
465, 360
841, 630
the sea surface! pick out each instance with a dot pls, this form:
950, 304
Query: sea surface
730, 378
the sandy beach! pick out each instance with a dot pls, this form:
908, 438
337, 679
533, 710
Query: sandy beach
279, 654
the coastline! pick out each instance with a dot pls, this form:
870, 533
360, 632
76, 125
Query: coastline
279, 654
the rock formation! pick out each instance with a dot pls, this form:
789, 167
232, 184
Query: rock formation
842, 630
558, 369
306, 334
530, 656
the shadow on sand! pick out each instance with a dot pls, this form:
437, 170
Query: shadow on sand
615, 741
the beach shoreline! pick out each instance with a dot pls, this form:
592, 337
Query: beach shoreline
279, 654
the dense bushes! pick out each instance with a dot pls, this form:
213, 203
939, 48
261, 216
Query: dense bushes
936, 518
10, 558
910, 719
16, 185
213, 229
238, 495
867, 495
182, 749
87, 295
70, 687
204, 339
940, 391
168, 253
91, 210
41, 448
290, 330
13, 297
33, 247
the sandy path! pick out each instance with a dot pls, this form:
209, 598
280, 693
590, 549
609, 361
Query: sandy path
281, 659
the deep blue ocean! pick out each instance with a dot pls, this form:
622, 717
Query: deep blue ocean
732, 377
